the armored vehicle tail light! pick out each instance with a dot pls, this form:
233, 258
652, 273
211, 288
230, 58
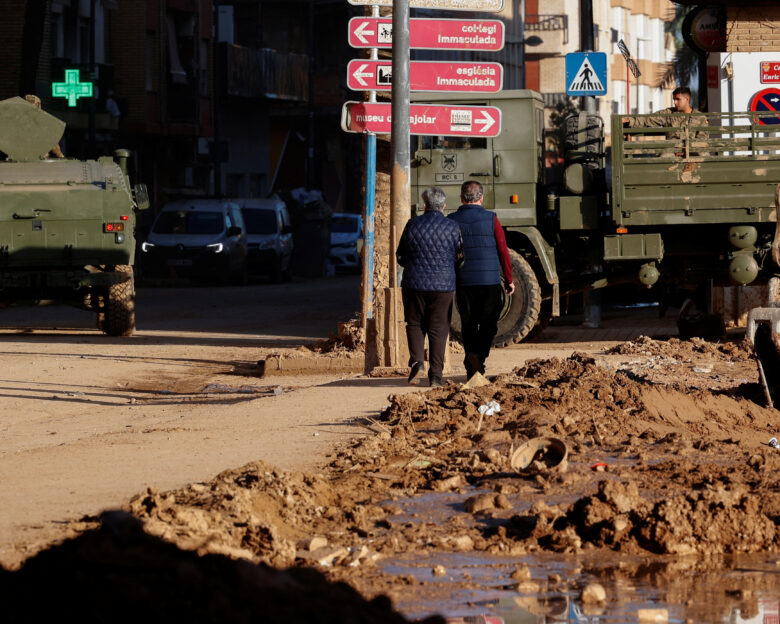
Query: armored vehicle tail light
513, 199
622, 230
124, 218
113, 227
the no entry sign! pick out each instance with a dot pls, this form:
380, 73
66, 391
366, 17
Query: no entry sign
429, 119
766, 100
365, 75
429, 34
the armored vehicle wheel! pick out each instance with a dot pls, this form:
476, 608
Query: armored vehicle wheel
520, 316
117, 312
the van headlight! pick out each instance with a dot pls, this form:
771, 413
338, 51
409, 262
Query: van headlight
216, 247
146, 246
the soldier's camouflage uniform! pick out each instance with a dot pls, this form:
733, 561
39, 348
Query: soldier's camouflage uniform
670, 118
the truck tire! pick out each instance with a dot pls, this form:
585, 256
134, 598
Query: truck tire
117, 312
519, 317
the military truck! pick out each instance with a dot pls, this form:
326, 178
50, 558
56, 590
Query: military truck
66, 226
684, 205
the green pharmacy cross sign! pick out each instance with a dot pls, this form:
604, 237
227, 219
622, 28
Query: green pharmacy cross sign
71, 88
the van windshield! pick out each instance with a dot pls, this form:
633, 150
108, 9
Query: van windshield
344, 225
189, 222
259, 221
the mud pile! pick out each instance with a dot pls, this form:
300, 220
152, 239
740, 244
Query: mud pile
119, 573
685, 350
348, 337
686, 473
653, 468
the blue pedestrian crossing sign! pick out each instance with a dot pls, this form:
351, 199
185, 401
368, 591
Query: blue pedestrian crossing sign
586, 73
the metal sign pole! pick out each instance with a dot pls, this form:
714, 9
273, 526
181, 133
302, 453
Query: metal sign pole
399, 175
368, 219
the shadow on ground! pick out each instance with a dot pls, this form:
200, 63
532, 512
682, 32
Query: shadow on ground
118, 573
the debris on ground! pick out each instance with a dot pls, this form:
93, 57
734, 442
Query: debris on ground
689, 472
685, 350
348, 337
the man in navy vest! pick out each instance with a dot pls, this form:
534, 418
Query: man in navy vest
429, 250
480, 290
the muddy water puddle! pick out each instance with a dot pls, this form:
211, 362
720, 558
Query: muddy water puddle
478, 588
481, 588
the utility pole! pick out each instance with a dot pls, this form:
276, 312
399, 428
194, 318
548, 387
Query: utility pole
586, 45
591, 299
400, 199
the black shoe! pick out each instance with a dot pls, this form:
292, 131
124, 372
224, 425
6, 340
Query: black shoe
415, 370
474, 365
436, 382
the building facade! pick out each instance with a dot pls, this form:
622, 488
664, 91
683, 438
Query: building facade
214, 97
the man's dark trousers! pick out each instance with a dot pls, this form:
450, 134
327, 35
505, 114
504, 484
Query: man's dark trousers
427, 312
479, 308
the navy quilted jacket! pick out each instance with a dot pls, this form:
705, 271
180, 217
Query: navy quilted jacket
482, 267
429, 249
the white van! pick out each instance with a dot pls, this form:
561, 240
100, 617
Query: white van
270, 239
197, 238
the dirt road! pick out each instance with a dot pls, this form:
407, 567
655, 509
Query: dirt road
87, 421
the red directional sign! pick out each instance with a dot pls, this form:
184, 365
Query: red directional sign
429, 34
365, 75
431, 119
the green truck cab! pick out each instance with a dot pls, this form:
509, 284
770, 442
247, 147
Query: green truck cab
67, 227
687, 205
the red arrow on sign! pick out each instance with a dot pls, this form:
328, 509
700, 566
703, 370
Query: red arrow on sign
429, 34
427, 76
432, 119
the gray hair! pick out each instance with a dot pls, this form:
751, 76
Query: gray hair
434, 198
471, 191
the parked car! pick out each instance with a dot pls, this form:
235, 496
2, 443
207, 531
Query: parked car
197, 238
270, 239
346, 240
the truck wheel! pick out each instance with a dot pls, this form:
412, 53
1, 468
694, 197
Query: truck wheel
117, 313
519, 317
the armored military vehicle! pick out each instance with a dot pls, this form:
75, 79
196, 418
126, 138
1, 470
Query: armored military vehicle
66, 226
683, 204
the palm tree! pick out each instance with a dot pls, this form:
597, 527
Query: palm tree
686, 61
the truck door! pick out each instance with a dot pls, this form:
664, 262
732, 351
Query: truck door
447, 162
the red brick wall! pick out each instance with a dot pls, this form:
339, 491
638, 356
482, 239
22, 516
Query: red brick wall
753, 28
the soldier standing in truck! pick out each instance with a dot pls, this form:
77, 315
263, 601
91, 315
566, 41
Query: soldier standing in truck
681, 115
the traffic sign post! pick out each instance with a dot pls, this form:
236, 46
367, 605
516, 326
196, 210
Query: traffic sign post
429, 34
424, 119
586, 73
401, 118
487, 6
428, 76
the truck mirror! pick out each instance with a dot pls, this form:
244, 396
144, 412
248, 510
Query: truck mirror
141, 197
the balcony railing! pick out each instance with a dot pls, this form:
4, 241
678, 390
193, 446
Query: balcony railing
547, 23
265, 73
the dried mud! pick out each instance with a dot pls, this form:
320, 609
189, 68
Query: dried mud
684, 471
